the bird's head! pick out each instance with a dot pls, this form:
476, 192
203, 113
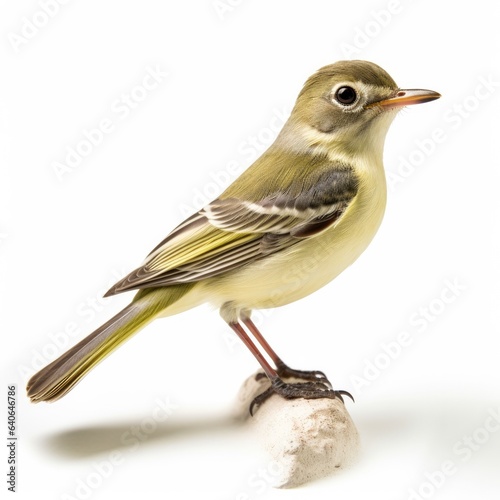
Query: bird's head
349, 105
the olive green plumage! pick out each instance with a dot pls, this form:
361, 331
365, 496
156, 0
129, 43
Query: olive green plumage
294, 220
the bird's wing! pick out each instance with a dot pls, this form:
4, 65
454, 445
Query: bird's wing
231, 232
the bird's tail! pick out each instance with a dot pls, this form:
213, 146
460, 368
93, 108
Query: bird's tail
60, 376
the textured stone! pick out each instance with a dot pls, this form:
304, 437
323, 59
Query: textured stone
308, 438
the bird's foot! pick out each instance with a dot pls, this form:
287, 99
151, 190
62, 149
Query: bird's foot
308, 390
284, 371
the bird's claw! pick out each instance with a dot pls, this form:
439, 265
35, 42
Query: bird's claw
285, 371
315, 389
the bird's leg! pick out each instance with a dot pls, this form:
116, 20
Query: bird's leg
268, 369
282, 369
314, 389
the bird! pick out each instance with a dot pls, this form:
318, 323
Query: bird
297, 217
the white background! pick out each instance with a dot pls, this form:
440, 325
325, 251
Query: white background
230, 75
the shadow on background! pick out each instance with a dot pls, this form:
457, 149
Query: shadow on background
95, 440
437, 424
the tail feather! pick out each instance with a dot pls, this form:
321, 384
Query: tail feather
60, 376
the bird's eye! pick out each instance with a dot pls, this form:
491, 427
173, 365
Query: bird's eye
345, 95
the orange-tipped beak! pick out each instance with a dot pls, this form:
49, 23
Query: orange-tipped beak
405, 97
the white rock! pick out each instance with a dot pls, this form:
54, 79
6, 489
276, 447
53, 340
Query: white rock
307, 438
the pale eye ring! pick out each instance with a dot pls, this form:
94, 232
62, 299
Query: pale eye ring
345, 95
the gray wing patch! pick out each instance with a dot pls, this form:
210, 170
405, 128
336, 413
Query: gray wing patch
306, 208
327, 189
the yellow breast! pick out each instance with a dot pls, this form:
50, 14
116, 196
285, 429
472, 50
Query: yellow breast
309, 265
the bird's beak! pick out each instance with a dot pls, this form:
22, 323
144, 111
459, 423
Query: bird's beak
405, 97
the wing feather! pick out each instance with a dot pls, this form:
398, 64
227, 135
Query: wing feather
231, 232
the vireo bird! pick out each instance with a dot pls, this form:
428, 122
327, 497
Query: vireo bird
295, 219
